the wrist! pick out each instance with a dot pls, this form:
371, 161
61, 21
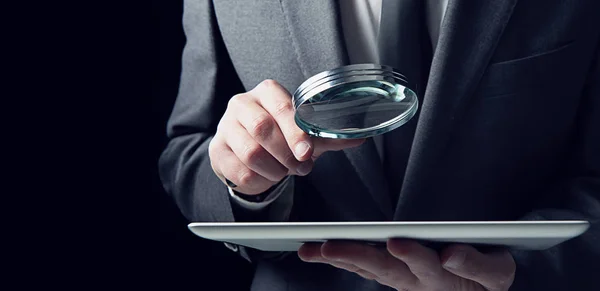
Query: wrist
255, 198
257, 202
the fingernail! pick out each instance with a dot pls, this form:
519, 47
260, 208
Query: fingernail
304, 168
456, 260
301, 149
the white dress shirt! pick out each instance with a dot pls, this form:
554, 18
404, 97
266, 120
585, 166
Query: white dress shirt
360, 24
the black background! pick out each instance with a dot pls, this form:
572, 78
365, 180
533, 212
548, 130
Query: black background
188, 260
89, 89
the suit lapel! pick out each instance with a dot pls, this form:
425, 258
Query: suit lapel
316, 34
314, 28
468, 37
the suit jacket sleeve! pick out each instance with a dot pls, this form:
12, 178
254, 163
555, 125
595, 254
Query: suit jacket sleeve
283, 192
208, 81
572, 265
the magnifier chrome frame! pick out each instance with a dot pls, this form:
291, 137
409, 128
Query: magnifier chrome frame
349, 74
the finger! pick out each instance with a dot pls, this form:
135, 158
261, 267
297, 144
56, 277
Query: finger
323, 145
494, 271
309, 252
422, 261
261, 126
352, 268
278, 102
378, 262
252, 154
312, 253
228, 166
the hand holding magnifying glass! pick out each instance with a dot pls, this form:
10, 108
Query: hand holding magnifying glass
265, 134
258, 143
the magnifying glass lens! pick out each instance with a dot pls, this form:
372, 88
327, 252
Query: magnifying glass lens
354, 103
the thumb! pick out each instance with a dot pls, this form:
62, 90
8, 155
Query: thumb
494, 271
323, 145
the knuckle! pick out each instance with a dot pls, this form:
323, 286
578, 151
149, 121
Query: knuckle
235, 99
283, 107
247, 178
253, 154
262, 126
267, 83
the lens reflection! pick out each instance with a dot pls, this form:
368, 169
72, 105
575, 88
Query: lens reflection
357, 109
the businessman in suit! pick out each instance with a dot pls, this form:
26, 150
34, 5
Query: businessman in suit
508, 130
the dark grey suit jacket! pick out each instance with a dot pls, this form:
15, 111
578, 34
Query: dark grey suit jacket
509, 127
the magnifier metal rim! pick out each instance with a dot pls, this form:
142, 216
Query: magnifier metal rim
348, 73
341, 81
300, 94
343, 69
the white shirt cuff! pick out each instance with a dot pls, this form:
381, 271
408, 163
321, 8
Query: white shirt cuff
285, 187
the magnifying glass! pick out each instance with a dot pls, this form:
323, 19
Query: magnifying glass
355, 101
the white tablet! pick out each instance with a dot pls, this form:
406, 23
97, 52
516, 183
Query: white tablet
286, 236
